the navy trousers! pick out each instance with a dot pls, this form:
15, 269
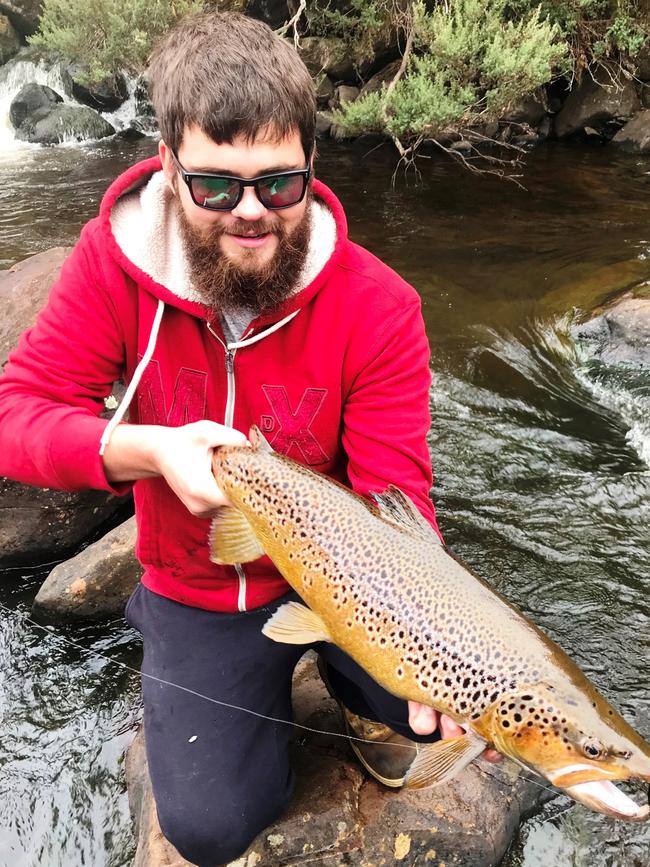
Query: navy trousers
220, 775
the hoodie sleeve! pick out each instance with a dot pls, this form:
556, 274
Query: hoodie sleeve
386, 415
55, 382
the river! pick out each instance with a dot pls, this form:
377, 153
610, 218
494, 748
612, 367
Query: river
541, 463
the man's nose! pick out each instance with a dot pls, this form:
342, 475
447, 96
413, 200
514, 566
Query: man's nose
250, 207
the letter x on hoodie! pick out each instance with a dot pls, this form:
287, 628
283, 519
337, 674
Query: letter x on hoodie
337, 378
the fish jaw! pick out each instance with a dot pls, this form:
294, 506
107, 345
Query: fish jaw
604, 797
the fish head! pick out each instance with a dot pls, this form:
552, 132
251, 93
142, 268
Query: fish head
577, 741
248, 471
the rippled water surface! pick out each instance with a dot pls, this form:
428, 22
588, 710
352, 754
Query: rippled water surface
542, 480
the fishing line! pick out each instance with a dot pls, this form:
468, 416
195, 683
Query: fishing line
49, 630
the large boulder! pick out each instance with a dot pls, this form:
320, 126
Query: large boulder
96, 583
327, 54
35, 100
619, 333
24, 14
64, 123
602, 101
9, 40
37, 524
634, 137
340, 816
105, 95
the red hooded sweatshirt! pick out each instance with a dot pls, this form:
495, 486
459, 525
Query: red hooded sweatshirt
337, 378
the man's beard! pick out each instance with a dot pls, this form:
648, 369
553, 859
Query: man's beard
227, 286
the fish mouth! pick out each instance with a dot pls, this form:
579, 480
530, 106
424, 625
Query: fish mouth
605, 797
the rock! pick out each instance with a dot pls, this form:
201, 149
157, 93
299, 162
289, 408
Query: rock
381, 78
603, 102
635, 135
545, 127
323, 123
339, 816
31, 99
619, 334
324, 90
94, 584
529, 110
24, 14
345, 93
327, 54
105, 95
38, 524
275, 13
143, 105
132, 132
62, 123
9, 40
642, 62
645, 95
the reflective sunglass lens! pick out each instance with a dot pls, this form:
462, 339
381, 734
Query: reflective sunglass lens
217, 193
281, 191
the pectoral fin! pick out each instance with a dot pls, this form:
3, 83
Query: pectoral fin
294, 623
232, 539
441, 761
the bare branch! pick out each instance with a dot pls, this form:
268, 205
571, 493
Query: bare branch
293, 23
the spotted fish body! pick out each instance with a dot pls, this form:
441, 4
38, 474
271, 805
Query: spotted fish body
381, 586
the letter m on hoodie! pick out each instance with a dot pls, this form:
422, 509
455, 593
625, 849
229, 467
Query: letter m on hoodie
188, 402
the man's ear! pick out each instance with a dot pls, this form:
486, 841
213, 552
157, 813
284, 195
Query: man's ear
167, 165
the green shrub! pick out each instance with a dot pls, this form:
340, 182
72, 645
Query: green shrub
467, 66
105, 36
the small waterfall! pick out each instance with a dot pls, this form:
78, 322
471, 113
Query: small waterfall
19, 72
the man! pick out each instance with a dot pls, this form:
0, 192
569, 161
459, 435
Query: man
219, 282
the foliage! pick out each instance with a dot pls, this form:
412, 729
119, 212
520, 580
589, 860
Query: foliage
105, 36
467, 65
362, 24
594, 29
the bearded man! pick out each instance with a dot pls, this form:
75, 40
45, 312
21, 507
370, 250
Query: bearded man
219, 282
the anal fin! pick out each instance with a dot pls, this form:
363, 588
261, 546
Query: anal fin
232, 539
443, 760
294, 623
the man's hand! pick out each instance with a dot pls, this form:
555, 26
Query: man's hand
424, 720
182, 455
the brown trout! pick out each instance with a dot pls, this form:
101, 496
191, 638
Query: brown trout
380, 585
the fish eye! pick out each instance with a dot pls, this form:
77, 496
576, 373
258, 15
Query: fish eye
592, 749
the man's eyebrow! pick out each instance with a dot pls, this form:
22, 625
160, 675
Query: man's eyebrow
273, 170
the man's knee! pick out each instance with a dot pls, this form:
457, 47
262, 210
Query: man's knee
212, 837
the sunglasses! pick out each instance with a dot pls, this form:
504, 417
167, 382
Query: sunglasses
224, 192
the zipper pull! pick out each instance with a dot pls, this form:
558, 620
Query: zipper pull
229, 361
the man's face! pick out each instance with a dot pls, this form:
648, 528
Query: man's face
249, 241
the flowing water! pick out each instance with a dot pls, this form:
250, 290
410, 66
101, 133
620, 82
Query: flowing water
541, 463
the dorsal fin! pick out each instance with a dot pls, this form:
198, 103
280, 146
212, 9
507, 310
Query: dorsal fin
397, 508
257, 439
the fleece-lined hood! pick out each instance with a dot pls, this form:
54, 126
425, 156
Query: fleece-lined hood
140, 224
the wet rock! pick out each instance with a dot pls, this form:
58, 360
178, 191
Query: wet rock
273, 12
339, 816
24, 14
32, 100
39, 524
143, 105
105, 95
635, 135
63, 123
9, 40
603, 102
619, 333
94, 584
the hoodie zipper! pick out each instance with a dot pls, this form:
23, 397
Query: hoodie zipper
228, 421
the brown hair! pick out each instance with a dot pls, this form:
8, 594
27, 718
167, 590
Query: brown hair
230, 75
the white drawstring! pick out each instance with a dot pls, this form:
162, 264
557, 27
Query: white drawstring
250, 340
137, 376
